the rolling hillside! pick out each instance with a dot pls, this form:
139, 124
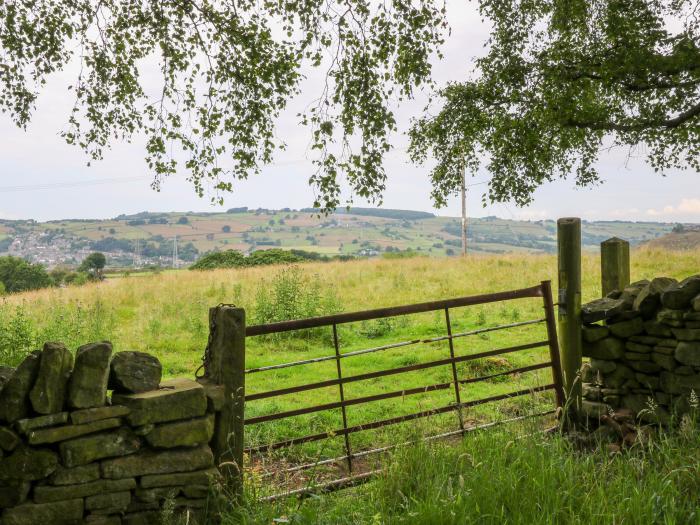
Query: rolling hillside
149, 238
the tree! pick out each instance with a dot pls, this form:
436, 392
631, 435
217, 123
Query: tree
226, 228
561, 80
18, 275
94, 264
183, 220
226, 70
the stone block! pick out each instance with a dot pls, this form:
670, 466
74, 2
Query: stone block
657, 329
48, 494
88, 384
673, 383
75, 475
56, 434
49, 391
134, 372
692, 324
100, 519
13, 493
593, 409
188, 433
175, 399
670, 317
5, 375
635, 356
686, 334
665, 350
160, 462
602, 365
195, 491
695, 303
27, 425
680, 296
156, 494
215, 394
637, 347
604, 308
87, 449
608, 348
646, 367
646, 339
28, 464
665, 361
648, 299
110, 503
142, 518
89, 415
591, 334
199, 477
8, 439
68, 512
688, 353
592, 392
14, 397
648, 381
627, 329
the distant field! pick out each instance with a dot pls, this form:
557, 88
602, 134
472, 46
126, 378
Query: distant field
366, 231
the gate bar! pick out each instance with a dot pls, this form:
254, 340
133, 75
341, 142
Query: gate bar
553, 343
387, 395
390, 346
393, 371
395, 420
379, 313
348, 452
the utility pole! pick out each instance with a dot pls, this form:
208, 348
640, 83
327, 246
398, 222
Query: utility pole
175, 252
464, 210
137, 254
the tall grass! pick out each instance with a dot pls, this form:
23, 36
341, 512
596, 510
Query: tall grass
166, 314
495, 478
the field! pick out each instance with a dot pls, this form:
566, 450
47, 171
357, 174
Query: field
166, 314
147, 239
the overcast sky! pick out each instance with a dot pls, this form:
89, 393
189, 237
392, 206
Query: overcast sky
43, 178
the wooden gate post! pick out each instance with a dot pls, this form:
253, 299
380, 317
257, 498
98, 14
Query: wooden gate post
227, 368
614, 265
569, 266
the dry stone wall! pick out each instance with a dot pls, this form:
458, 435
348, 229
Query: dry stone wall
644, 348
100, 439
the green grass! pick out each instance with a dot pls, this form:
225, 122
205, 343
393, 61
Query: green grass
495, 477
536, 480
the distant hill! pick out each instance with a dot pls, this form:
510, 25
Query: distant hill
688, 239
147, 238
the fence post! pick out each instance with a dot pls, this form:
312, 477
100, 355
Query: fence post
569, 299
614, 264
227, 367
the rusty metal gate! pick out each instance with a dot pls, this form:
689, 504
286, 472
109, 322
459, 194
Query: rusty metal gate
340, 380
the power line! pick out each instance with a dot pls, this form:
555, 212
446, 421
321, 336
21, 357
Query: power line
70, 184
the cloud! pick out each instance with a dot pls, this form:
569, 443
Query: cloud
686, 207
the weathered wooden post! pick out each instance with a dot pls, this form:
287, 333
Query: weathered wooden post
226, 366
614, 264
569, 266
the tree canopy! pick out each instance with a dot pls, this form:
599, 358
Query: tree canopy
557, 79
561, 80
225, 70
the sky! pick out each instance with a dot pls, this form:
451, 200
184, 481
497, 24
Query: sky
43, 178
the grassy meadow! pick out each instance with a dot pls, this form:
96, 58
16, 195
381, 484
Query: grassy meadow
166, 314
